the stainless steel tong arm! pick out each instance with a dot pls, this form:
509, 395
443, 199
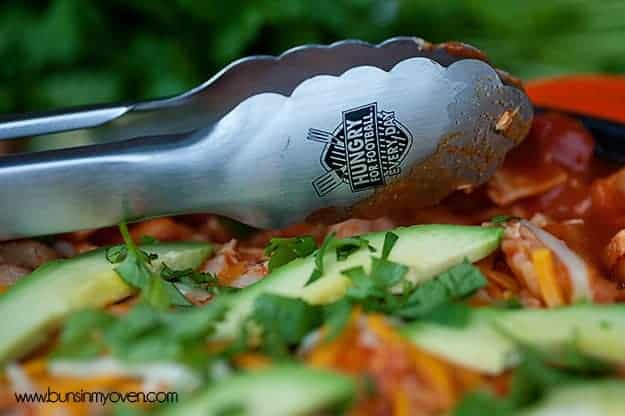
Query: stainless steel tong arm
275, 158
208, 102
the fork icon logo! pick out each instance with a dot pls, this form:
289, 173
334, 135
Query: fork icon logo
365, 149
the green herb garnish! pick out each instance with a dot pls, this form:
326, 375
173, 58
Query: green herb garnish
284, 322
283, 250
161, 290
501, 219
434, 300
390, 239
318, 270
345, 247
144, 334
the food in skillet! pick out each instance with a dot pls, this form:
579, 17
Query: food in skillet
503, 300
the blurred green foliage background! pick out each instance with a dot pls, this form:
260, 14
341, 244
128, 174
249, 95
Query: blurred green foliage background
66, 52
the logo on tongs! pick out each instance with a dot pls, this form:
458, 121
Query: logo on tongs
363, 151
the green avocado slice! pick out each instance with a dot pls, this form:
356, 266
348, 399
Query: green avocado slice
428, 250
274, 391
489, 342
600, 398
38, 302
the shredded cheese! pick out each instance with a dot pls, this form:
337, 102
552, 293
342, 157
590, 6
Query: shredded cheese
401, 404
502, 280
547, 280
437, 373
252, 361
576, 267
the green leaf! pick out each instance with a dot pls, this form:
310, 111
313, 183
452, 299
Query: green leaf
500, 219
319, 255
336, 318
134, 271
144, 334
433, 300
449, 314
157, 294
232, 409
390, 239
133, 268
462, 280
434, 296
195, 323
386, 274
284, 250
284, 321
362, 285
345, 247
148, 239
124, 409
161, 290
116, 254
141, 319
315, 275
482, 403
81, 336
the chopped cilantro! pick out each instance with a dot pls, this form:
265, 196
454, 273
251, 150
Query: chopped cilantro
132, 264
143, 334
116, 254
283, 250
231, 409
345, 247
82, 336
148, 239
482, 403
160, 290
501, 219
390, 239
449, 314
284, 322
454, 284
156, 294
336, 317
462, 279
319, 255
431, 300
192, 279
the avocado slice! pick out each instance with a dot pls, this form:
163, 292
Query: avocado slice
427, 249
274, 391
39, 301
600, 398
488, 344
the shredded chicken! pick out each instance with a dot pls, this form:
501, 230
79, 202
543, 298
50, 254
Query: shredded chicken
26, 253
237, 267
215, 230
523, 241
163, 229
10, 273
253, 274
608, 198
517, 244
356, 226
614, 256
508, 186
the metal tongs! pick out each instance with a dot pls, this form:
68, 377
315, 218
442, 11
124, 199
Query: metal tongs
269, 140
